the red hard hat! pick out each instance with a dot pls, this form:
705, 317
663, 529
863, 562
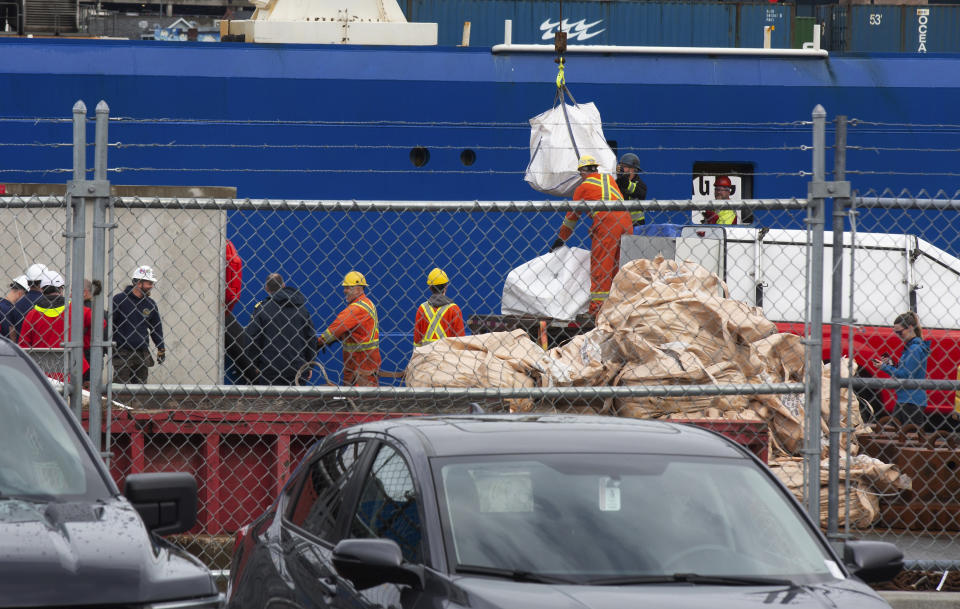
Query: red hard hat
722, 181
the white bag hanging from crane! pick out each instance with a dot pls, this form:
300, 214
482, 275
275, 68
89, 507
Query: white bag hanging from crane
558, 138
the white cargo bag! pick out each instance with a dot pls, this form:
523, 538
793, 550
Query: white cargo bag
553, 156
553, 285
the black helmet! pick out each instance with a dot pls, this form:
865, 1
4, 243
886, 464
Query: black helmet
631, 160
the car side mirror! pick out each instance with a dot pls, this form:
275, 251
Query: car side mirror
873, 561
371, 562
167, 502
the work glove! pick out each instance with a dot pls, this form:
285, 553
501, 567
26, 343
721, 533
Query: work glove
161, 355
323, 345
556, 245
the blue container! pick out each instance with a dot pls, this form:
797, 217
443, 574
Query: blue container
621, 23
834, 34
754, 17
931, 29
875, 29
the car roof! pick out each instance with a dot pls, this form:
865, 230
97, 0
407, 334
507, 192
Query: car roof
462, 435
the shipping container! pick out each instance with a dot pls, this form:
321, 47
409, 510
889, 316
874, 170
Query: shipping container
754, 17
875, 28
730, 24
846, 28
932, 29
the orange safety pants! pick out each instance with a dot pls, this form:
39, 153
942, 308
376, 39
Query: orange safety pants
360, 368
605, 233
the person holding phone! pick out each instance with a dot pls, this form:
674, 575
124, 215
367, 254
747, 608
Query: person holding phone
911, 403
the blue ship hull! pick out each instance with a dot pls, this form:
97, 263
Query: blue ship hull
340, 122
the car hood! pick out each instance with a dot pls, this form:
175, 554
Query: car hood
98, 553
489, 593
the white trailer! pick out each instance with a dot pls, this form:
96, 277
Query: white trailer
892, 273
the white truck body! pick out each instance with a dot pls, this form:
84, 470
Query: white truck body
892, 273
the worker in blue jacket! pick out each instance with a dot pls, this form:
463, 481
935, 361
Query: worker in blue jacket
911, 403
18, 288
23, 306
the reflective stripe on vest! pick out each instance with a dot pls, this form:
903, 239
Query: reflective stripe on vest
599, 295
434, 330
608, 191
374, 341
54, 312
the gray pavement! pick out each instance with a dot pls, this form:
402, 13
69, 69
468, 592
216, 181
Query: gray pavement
922, 600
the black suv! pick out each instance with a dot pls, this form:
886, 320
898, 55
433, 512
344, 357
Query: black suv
67, 535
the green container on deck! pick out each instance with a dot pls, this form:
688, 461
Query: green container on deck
803, 30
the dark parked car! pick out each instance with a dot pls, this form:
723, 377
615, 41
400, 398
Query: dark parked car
67, 535
542, 511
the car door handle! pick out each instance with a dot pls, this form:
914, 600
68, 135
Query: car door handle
329, 585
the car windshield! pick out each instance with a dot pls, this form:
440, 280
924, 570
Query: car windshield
603, 518
40, 456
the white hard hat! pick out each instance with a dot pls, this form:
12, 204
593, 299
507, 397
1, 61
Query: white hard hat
51, 278
20, 282
34, 271
143, 272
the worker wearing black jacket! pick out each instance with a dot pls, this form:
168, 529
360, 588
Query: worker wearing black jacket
136, 320
630, 184
280, 337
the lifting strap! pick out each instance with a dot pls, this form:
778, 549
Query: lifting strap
562, 93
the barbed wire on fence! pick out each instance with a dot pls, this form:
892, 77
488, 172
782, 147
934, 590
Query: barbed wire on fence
858, 122
406, 123
401, 171
121, 145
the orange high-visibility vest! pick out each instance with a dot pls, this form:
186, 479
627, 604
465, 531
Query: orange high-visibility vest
432, 324
357, 326
596, 187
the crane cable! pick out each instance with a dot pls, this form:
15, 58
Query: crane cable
560, 46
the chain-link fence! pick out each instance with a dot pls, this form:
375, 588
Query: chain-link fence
899, 330
232, 347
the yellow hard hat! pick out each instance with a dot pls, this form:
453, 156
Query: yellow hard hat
437, 277
586, 161
354, 278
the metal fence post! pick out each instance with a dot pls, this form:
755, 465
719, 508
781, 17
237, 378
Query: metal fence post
836, 330
76, 228
97, 271
814, 346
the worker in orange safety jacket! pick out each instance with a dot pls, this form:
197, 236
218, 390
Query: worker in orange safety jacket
605, 232
722, 189
358, 328
439, 317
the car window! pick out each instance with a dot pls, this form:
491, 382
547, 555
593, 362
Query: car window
389, 507
40, 454
592, 516
321, 493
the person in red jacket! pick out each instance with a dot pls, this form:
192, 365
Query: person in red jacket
236, 363
234, 277
439, 317
357, 326
605, 232
43, 326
